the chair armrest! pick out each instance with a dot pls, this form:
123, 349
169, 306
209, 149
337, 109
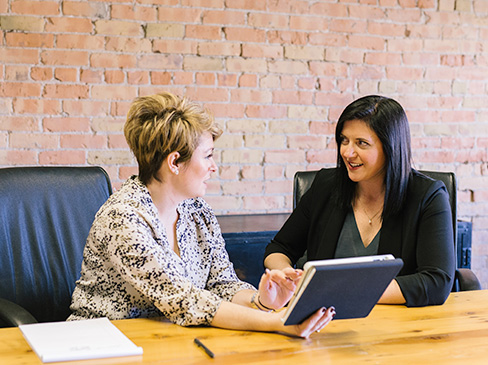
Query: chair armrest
467, 280
13, 315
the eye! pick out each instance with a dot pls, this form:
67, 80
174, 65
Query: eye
362, 143
344, 140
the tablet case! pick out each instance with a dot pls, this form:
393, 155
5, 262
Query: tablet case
352, 288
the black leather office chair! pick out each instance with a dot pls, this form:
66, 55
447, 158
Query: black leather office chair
45, 216
465, 278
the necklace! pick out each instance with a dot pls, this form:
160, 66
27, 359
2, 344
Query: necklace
371, 218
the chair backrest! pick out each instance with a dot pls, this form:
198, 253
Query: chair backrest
303, 180
45, 216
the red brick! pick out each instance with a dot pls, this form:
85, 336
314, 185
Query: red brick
42, 73
27, 40
64, 58
34, 8
251, 96
160, 78
64, 157
246, 4
290, 37
180, 15
18, 123
248, 80
107, 60
138, 77
208, 32
284, 156
66, 74
18, 157
244, 34
66, 91
292, 97
80, 41
34, 141
84, 141
264, 204
305, 23
59, 124
20, 89
160, 61
178, 46
219, 49
28, 56
227, 80
204, 94
86, 108
85, 9
114, 76
265, 111
109, 92
90, 76
16, 73
69, 25
131, 12
117, 141
36, 106
118, 27
223, 17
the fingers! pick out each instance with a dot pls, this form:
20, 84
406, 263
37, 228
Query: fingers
316, 322
327, 316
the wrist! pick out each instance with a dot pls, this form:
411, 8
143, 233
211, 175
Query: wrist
256, 303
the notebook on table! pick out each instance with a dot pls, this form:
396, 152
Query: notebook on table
352, 285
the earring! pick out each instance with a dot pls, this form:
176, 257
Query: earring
176, 171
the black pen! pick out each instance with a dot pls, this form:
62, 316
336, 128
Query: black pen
205, 348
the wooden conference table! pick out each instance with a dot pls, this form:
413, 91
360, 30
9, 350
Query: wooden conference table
454, 333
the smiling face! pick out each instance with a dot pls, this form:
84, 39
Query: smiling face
362, 152
195, 172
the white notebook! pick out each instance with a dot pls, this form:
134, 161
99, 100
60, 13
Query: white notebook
78, 340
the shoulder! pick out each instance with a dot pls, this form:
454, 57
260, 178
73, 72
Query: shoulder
132, 199
422, 187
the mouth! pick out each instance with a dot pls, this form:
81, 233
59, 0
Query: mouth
354, 165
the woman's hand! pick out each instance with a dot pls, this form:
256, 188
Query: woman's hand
276, 287
314, 323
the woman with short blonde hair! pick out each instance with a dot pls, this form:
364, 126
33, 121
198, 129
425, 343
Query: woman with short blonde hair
155, 247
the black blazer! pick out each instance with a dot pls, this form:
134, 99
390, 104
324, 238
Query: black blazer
422, 235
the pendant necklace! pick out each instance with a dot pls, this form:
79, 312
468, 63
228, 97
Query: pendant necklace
373, 217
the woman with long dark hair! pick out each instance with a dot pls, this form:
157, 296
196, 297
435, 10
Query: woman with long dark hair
374, 202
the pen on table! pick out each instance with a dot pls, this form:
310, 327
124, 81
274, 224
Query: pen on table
205, 348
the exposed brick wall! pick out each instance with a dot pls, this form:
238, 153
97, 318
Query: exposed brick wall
276, 74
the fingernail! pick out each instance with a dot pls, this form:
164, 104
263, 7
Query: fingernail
323, 310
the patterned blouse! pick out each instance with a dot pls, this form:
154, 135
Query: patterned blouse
129, 269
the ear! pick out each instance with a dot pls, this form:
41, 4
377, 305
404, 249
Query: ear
172, 162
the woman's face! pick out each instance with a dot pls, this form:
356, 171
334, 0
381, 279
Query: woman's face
362, 152
195, 173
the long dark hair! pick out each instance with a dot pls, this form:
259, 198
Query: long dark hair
388, 120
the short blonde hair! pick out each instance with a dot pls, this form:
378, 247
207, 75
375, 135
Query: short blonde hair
163, 123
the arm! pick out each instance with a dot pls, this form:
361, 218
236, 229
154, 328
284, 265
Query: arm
392, 294
238, 317
429, 252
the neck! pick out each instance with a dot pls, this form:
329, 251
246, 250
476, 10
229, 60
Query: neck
165, 199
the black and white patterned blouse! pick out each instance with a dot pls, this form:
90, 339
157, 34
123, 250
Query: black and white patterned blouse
129, 269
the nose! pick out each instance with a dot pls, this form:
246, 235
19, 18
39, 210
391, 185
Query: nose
213, 165
348, 151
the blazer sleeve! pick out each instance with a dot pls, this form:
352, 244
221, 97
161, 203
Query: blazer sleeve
430, 254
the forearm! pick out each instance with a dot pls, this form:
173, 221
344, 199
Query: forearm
277, 261
240, 317
392, 294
